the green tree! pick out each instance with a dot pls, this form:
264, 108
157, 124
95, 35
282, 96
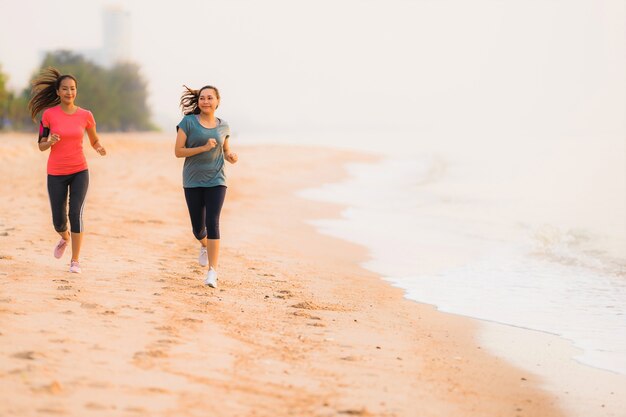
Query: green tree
4, 100
18, 116
130, 91
116, 96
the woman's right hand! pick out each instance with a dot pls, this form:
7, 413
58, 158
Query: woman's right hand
54, 138
210, 144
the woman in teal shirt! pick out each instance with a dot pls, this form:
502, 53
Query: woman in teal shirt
202, 139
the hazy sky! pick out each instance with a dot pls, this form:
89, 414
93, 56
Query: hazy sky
532, 67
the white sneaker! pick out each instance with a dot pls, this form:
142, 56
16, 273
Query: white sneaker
211, 278
203, 259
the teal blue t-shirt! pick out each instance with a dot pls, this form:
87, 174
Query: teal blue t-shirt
207, 168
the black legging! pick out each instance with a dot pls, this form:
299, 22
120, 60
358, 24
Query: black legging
205, 205
58, 186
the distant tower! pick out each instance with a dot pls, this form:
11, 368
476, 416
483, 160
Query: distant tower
115, 36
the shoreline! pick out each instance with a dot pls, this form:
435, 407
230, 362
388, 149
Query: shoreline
296, 326
565, 376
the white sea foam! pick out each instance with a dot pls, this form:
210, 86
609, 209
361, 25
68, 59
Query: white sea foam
523, 239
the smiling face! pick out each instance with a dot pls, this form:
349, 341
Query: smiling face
208, 100
67, 91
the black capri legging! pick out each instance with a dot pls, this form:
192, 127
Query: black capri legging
205, 205
58, 186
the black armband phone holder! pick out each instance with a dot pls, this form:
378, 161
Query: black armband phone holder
44, 132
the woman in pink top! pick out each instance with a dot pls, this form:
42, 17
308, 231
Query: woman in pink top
62, 127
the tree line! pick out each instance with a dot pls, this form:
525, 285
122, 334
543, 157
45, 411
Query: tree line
117, 96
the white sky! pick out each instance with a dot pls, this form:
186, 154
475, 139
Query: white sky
533, 67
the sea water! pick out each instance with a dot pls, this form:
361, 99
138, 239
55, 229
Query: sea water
528, 233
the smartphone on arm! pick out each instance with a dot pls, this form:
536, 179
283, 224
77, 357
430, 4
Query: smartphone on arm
44, 132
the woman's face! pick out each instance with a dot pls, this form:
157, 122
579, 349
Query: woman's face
208, 101
67, 91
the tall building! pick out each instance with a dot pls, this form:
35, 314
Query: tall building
115, 36
115, 45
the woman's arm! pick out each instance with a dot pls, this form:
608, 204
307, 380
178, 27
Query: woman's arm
46, 142
95, 140
182, 152
228, 155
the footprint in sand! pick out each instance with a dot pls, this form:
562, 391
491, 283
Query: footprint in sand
145, 359
191, 320
156, 390
138, 410
155, 353
57, 411
64, 287
168, 342
30, 355
309, 305
165, 328
168, 330
283, 294
108, 313
306, 315
97, 406
353, 412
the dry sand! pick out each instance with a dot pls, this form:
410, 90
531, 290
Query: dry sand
296, 327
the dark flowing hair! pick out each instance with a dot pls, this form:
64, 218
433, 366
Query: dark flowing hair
190, 97
44, 90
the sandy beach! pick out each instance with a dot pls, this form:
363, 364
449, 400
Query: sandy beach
295, 328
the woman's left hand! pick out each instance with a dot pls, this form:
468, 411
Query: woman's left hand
231, 157
101, 151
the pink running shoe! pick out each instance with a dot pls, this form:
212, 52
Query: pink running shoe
75, 267
60, 248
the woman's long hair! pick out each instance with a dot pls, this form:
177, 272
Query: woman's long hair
189, 99
44, 90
